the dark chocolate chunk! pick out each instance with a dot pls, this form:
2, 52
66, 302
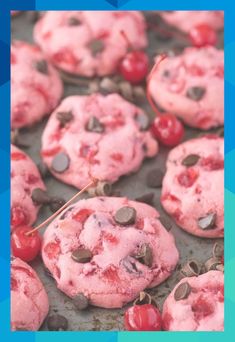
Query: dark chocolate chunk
107, 86
96, 46
82, 255
56, 203
57, 323
143, 121
94, 125
190, 160
146, 198
218, 250
64, 117
207, 222
130, 265
191, 268
196, 93
80, 301
182, 291
145, 255
60, 163
154, 178
72, 21
166, 73
40, 196
126, 90
42, 66
212, 263
102, 189
166, 222
125, 215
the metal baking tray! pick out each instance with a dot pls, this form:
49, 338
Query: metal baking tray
132, 186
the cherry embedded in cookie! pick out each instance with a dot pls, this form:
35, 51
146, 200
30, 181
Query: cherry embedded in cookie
203, 35
134, 66
25, 247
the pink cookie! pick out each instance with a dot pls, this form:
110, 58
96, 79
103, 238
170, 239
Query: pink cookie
102, 136
89, 43
191, 86
196, 304
25, 178
193, 186
186, 20
29, 301
35, 85
108, 249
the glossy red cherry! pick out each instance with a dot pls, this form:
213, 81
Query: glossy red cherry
167, 129
144, 317
203, 35
18, 216
25, 247
134, 66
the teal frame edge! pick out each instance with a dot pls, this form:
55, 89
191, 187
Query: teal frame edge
229, 8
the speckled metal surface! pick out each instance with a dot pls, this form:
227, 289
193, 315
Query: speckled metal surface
131, 186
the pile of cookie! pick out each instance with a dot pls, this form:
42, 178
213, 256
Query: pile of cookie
107, 250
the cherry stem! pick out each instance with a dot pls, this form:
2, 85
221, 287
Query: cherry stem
93, 182
149, 97
123, 34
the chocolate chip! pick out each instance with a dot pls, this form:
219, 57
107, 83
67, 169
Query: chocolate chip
57, 323
64, 117
212, 263
154, 178
125, 215
207, 222
218, 250
130, 265
40, 196
166, 222
72, 21
94, 125
126, 90
182, 291
138, 93
96, 46
145, 255
195, 93
102, 189
166, 73
56, 203
82, 255
146, 198
191, 268
143, 121
108, 85
190, 160
60, 163
42, 66
80, 301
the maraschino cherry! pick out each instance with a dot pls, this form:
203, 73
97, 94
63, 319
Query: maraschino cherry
166, 128
134, 66
26, 241
202, 35
143, 316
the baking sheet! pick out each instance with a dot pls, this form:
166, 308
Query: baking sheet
132, 186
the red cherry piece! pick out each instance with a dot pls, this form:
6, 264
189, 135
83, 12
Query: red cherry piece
82, 215
134, 66
50, 152
211, 164
203, 35
117, 157
167, 129
65, 56
17, 156
202, 308
18, 216
111, 274
32, 179
110, 238
52, 249
25, 247
188, 177
143, 318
